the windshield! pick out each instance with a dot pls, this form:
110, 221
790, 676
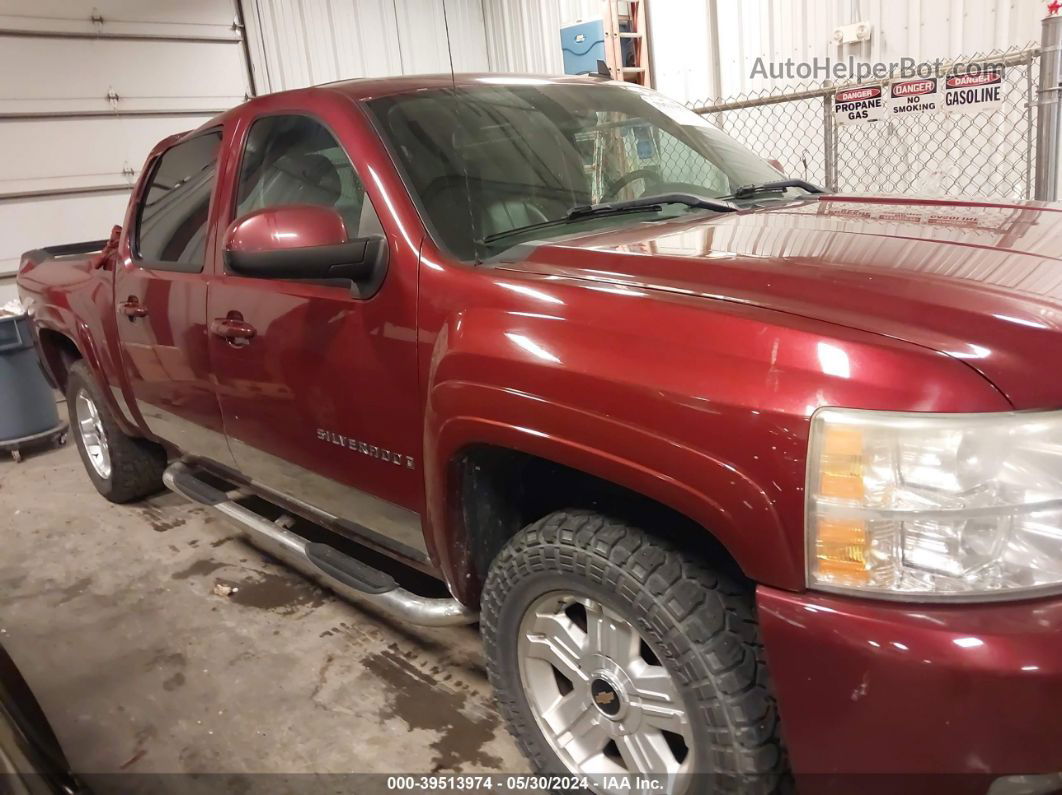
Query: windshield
513, 152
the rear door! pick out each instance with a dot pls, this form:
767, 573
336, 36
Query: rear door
321, 404
160, 299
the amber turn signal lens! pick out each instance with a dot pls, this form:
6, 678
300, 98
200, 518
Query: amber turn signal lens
841, 476
842, 441
842, 551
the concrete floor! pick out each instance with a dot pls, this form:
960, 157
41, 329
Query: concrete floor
110, 612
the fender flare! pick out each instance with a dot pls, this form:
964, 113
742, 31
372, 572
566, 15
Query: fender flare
80, 336
743, 520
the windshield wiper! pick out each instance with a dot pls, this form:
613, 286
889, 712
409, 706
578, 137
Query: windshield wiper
642, 204
546, 224
647, 202
778, 186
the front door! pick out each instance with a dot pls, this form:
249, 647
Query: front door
160, 299
320, 403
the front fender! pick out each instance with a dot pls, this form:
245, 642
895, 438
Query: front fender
627, 456
592, 418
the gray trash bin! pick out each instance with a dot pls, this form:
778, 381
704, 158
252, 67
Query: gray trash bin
27, 404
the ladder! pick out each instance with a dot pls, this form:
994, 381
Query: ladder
625, 21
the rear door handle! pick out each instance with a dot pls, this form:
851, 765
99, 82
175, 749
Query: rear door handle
234, 329
132, 308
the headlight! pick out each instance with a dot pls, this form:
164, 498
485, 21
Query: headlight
935, 506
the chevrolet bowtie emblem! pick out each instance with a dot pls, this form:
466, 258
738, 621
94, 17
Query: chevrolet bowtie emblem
605, 697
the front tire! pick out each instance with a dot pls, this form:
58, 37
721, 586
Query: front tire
613, 653
122, 468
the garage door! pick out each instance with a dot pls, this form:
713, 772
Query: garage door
89, 86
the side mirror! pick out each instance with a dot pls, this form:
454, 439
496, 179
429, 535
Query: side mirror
300, 241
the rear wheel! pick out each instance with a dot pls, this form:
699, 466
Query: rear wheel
613, 654
121, 467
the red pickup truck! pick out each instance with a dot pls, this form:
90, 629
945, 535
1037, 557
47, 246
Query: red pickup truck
740, 479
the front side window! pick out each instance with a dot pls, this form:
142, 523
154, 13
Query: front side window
511, 153
172, 218
296, 160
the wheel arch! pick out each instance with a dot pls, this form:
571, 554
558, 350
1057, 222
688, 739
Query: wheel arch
62, 340
471, 514
58, 353
499, 490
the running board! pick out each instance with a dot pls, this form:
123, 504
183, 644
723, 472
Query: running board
328, 566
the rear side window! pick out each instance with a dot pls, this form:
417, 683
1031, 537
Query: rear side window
296, 160
172, 220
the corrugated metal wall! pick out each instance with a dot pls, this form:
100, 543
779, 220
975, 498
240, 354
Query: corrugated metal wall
296, 43
524, 35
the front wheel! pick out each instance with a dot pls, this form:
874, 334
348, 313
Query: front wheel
614, 655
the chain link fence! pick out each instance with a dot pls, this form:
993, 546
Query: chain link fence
990, 153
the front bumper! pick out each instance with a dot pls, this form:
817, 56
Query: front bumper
877, 689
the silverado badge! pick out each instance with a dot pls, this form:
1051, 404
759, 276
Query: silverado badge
366, 449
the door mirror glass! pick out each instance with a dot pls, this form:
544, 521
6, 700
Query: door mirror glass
299, 241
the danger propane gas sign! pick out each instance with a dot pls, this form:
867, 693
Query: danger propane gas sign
863, 103
974, 92
914, 96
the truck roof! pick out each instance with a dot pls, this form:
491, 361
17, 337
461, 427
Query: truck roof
372, 87
364, 88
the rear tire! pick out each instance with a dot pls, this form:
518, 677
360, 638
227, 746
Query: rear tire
121, 467
623, 618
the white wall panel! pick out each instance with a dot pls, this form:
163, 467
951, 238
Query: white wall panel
194, 18
130, 50
87, 87
524, 35
68, 154
297, 43
63, 75
69, 219
422, 31
681, 47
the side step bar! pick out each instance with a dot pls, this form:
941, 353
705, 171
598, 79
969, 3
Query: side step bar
328, 566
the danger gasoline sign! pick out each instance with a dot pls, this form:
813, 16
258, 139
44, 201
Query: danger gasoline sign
863, 103
974, 92
914, 96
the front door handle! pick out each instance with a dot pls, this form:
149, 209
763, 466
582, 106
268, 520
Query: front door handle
132, 308
233, 329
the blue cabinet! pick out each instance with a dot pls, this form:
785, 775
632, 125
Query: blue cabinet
583, 45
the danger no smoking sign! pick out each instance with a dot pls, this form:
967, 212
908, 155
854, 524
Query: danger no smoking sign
968, 92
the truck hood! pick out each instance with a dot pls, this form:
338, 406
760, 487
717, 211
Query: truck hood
978, 281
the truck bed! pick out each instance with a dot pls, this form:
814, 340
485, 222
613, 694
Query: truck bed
39, 255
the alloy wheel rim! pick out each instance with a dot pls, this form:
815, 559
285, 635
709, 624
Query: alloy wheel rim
599, 694
90, 426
